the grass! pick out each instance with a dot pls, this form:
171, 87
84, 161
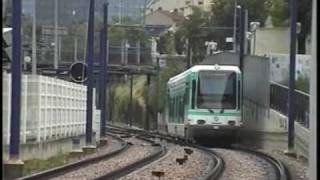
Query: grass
37, 165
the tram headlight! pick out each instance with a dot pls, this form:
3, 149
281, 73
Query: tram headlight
232, 123
200, 122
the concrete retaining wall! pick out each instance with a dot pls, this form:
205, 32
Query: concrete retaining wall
268, 129
44, 150
302, 140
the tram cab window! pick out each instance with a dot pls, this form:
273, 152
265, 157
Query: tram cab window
217, 90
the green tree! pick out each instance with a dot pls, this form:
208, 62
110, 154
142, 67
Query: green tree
303, 83
223, 15
179, 42
165, 44
173, 68
279, 12
223, 11
193, 30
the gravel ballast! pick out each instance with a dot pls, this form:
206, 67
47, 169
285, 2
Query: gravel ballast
193, 168
135, 152
298, 167
244, 166
113, 144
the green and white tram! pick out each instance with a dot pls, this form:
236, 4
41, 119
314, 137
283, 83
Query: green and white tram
204, 101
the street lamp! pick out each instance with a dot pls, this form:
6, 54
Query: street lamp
27, 60
253, 27
236, 7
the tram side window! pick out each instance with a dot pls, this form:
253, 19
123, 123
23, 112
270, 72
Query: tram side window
186, 97
239, 95
193, 95
181, 109
172, 113
171, 110
176, 110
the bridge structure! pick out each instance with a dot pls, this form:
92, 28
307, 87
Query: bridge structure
67, 109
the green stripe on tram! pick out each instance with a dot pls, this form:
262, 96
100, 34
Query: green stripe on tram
214, 114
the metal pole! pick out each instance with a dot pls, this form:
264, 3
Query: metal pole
59, 48
4, 11
103, 74
108, 110
235, 26
293, 19
130, 101
158, 95
99, 105
242, 37
254, 43
126, 52
138, 52
34, 40
120, 11
122, 52
90, 44
144, 12
55, 34
75, 48
15, 81
245, 31
147, 103
101, 87
313, 101
241, 52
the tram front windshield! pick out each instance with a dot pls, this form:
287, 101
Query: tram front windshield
216, 90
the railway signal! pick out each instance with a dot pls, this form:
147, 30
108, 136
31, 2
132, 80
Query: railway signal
78, 72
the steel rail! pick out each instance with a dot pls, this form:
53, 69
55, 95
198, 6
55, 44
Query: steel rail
54, 172
215, 169
282, 171
134, 166
137, 164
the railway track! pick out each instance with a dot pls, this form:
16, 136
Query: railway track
84, 169
54, 172
271, 167
279, 169
213, 169
154, 160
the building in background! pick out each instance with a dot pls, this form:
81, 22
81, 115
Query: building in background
279, 67
270, 40
182, 6
77, 11
172, 20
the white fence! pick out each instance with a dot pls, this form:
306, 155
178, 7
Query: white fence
50, 109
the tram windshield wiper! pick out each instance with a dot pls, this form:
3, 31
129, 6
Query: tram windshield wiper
210, 110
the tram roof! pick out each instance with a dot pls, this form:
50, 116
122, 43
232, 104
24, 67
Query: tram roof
197, 68
222, 58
